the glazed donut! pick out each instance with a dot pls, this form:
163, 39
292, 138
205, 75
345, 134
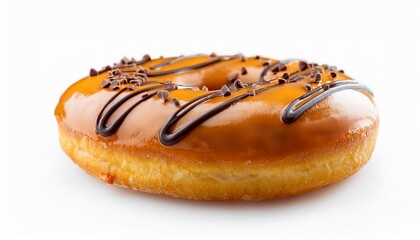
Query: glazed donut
218, 127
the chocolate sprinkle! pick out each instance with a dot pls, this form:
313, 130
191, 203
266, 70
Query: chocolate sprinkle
115, 85
145, 58
114, 72
257, 57
266, 63
341, 71
142, 76
244, 71
163, 94
333, 74
279, 68
276, 69
93, 72
308, 87
225, 91
316, 78
238, 84
302, 65
282, 67
123, 79
176, 102
142, 70
282, 81
124, 61
213, 54
285, 76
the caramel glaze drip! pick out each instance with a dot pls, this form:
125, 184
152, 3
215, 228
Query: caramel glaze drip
290, 114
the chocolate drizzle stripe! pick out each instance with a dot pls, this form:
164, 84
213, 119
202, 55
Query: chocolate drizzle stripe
145, 59
291, 113
167, 138
173, 60
167, 62
179, 70
290, 80
193, 67
105, 129
298, 77
106, 105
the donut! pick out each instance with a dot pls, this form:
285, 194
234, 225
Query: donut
218, 127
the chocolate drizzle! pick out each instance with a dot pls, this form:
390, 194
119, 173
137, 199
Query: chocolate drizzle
168, 138
188, 68
161, 65
105, 129
176, 59
291, 112
167, 135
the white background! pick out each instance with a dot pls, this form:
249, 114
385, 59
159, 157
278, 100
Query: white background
46, 46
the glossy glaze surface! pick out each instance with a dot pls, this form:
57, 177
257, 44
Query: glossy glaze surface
250, 129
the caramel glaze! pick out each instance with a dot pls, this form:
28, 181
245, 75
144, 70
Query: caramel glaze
268, 114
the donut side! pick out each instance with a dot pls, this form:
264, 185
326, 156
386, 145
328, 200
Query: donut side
292, 175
